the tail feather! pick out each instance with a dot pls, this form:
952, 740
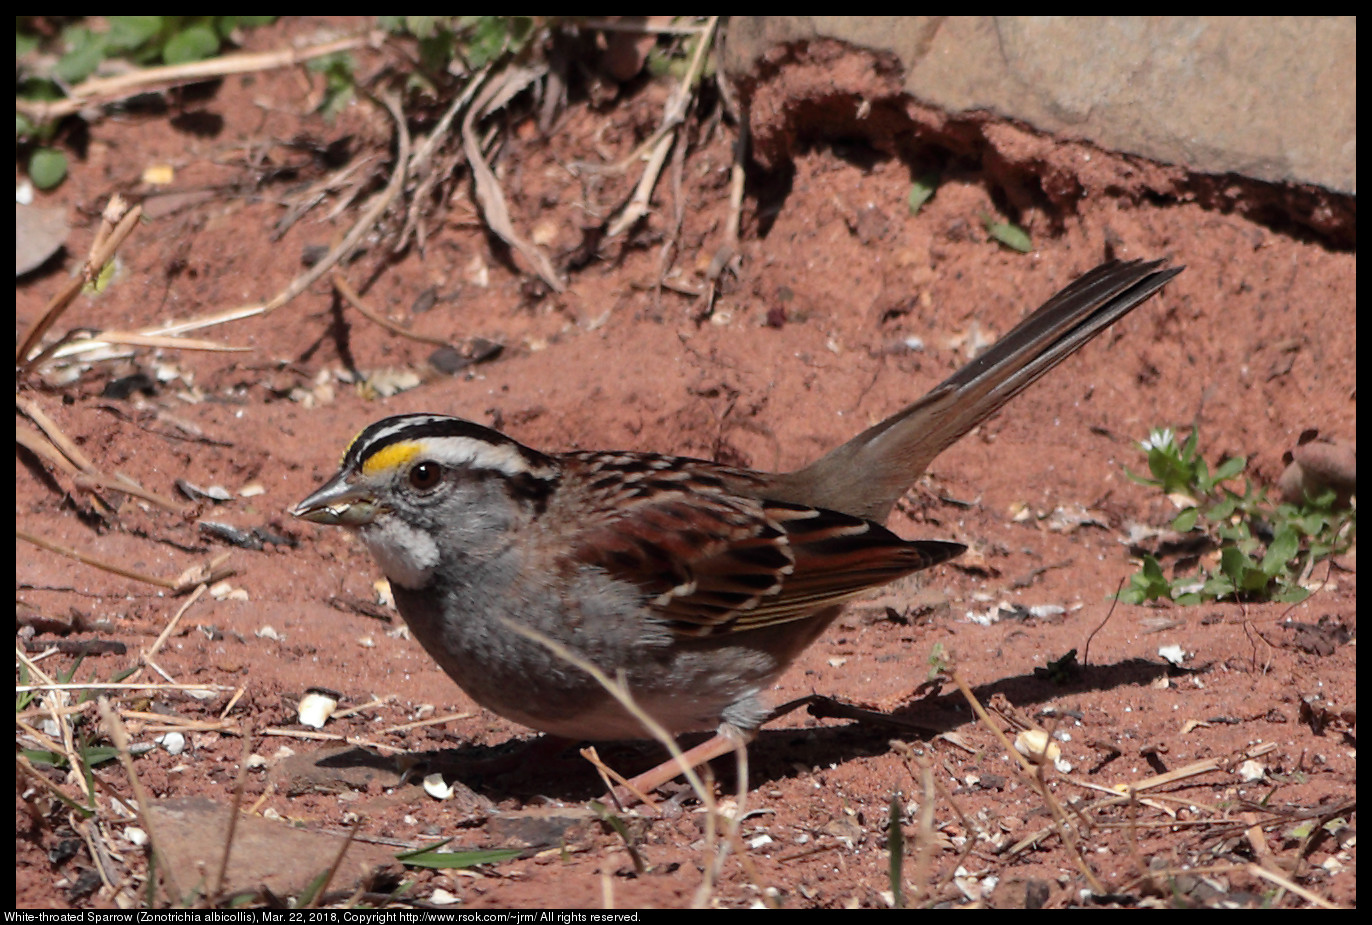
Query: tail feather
868, 474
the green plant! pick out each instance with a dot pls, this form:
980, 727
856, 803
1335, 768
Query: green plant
1008, 234
339, 82
83, 47
429, 856
88, 753
939, 662
143, 40
477, 40
921, 191
1264, 549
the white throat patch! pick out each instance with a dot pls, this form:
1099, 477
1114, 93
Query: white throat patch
407, 556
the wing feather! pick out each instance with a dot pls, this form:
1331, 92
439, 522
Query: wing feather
713, 555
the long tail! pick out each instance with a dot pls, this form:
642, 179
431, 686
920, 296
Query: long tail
868, 474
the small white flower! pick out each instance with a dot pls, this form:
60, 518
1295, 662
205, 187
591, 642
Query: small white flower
1158, 439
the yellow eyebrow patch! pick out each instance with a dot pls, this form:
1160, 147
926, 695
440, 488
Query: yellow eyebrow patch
390, 457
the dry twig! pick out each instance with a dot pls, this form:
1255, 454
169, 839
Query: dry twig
489, 196
102, 90
657, 145
116, 224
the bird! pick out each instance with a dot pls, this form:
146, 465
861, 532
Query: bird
694, 583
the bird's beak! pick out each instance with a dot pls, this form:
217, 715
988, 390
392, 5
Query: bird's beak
339, 504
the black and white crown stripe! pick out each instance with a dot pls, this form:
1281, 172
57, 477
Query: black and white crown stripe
452, 442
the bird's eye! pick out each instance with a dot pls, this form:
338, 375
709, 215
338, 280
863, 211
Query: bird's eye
425, 476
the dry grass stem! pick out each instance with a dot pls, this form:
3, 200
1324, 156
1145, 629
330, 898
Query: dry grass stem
489, 196
117, 223
330, 737
95, 842
102, 90
54, 699
338, 254
25, 769
619, 691
1271, 876
240, 786
657, 146
350, 295
99, 340
642, 28
1035, 780
417, 724
363, 226
56, 448
114, 728
612, 778
158, 723
421, 162
171, 624
117, 686
171, 584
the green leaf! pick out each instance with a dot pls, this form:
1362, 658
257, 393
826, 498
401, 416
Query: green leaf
1312, 524
1291, 594
616, 823
130, 32
436, 51
1147, 584
47, 167
24, 698
195, 43
423, 27
1233, 564
85, 51
1188, 449
1141, 479
488, 40
340, 62
1200, 475
922, 191
307, 895
1233, 533
1224, 509
38, 88
1171, 471
1229, 468
1280, 551
101, 281
938, 661
44, 756
92, 755
98, 754
1217, 586
1255, 580
1012, 236
1186, 520
23, 44
225, 25
451, 860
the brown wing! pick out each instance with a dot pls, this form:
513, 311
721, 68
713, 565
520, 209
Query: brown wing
715, 558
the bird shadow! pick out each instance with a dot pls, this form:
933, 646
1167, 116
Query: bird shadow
544, 768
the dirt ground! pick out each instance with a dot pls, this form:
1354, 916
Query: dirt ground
841, 308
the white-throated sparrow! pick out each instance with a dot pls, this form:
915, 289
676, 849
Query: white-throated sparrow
698, 583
